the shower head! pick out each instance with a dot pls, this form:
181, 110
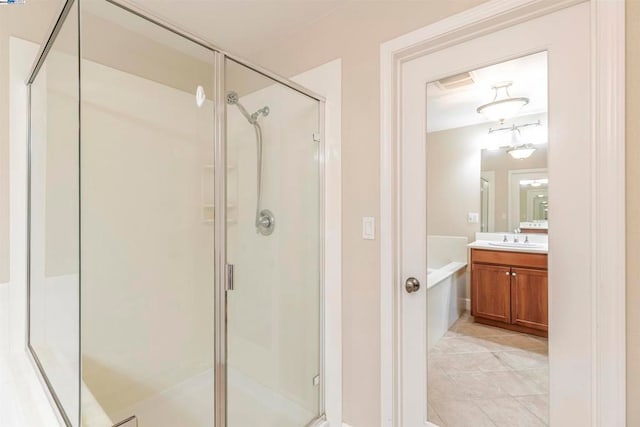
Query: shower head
232, 98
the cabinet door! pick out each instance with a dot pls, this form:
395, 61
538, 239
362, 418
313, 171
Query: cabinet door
529, 298
491, 292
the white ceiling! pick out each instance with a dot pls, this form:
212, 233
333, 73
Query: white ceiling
448, 109
241, 26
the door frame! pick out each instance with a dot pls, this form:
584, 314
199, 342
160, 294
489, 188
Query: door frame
607, 149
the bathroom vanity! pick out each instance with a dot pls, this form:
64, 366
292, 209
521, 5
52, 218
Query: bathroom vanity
509, 286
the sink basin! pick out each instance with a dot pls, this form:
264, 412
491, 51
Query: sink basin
520, 245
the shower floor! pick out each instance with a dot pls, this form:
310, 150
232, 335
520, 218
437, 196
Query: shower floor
190, 404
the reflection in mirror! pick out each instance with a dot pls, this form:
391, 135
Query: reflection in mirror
508, 208
529, 200
534, 201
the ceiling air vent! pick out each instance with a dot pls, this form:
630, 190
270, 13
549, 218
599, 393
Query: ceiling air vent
455, 82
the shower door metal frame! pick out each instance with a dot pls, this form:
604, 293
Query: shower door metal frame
220, 245
220, 57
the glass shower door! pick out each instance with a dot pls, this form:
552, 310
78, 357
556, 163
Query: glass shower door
273, 363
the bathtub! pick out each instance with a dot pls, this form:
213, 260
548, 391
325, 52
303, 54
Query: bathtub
446, 284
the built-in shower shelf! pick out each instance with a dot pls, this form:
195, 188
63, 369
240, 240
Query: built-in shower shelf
208, 213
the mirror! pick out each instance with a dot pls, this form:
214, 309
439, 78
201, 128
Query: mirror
529, 200
514, 192
476, 160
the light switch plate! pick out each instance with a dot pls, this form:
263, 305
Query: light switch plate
473, 218
368, 228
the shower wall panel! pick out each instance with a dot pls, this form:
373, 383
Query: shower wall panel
147, 293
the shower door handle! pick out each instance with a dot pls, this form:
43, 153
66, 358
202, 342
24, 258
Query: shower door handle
412, 285
229, 279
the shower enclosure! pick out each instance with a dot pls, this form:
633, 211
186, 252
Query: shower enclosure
175, 222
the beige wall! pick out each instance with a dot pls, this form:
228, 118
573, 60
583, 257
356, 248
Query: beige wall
453, 181
633, 212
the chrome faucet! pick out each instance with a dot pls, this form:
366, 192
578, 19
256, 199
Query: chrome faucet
516, 231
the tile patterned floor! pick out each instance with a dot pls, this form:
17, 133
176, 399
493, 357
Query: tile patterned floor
484, 376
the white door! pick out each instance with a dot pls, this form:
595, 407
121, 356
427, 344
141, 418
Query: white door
570, 302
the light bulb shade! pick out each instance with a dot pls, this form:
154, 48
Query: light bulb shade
502, 109
521, 152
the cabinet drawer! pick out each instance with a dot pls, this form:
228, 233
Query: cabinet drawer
516, 259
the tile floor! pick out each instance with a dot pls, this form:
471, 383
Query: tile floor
484, 376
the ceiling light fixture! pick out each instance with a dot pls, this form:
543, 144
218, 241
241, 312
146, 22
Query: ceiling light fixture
502, 107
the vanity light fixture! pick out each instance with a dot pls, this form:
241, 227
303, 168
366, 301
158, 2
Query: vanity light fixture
522, 152
534, 182
517, 149
503, 106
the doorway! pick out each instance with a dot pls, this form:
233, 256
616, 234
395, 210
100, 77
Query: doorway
487, 287
578, 373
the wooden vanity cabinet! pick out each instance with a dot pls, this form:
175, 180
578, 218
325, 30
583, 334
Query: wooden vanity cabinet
510, 290
491, 292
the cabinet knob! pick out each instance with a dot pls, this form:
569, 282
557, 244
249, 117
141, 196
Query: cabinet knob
507, 273
513, 274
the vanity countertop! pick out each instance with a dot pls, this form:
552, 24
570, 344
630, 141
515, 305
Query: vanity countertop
493, 245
